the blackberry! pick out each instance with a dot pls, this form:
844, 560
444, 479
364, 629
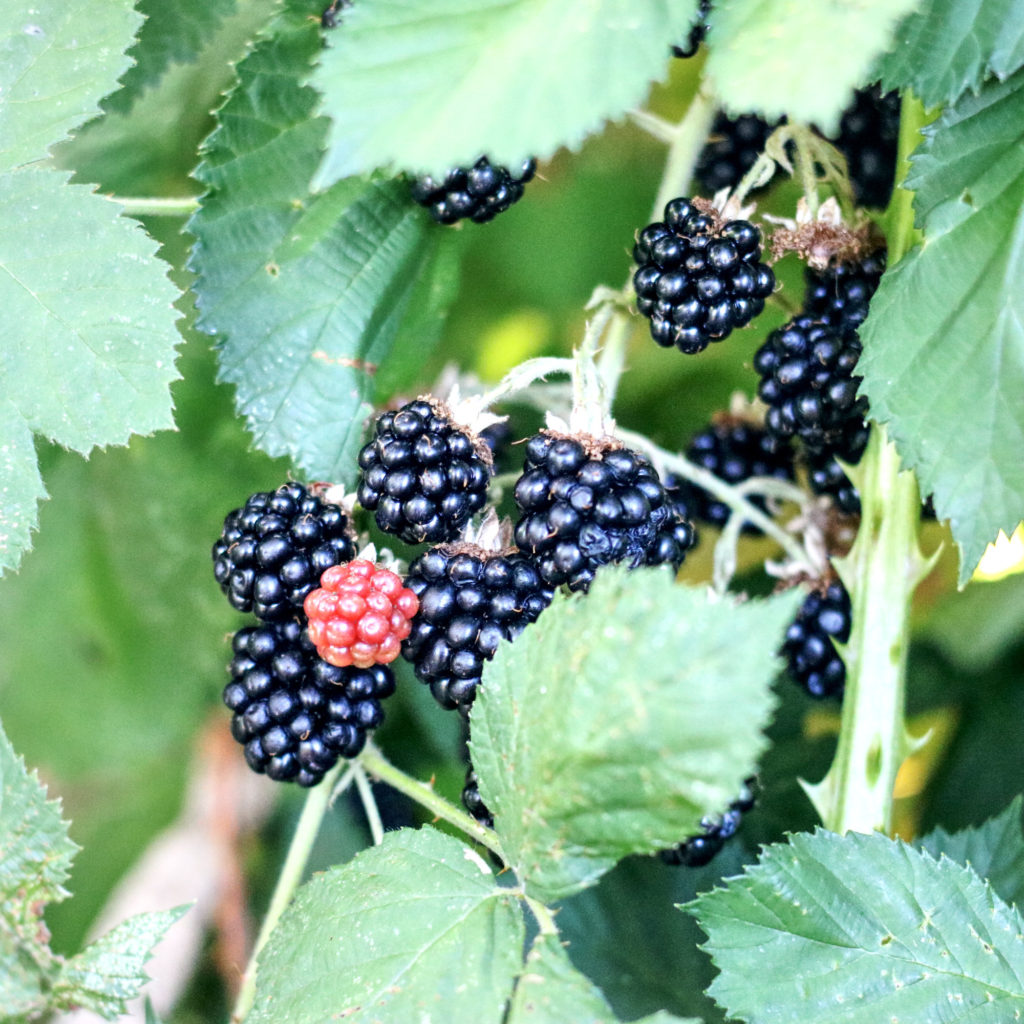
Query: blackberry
840, 295
813, 660
470, 600
700, 849
479, 192
274, 549
587, 502
697, 277
473, 802
734, 450
733, 148
868, 135
698, 31
808, 382
294, 713
826, 476
422, 474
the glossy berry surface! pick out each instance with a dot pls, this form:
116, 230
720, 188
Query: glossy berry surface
473, 802
295, 714
734, 145
735, 451
840, 295
701, 848
587, 503
827, 477
813, 660
478, 193
698, 31
868, 137
421, 474
273, 551
469, 601
360, 614
808, 382
697, 278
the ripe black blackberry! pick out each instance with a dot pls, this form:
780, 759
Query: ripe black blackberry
698, 277
588, 502
840, 295
479, 192
735, 450
470, 600
808, 382
698, 31
813, 660
733, 148
422, 474
273, 551
826, 476
868, 136
294, 713
473, 802
700, 849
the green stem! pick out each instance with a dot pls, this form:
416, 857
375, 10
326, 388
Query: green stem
688, 139
370, 808
545, 919
161, 206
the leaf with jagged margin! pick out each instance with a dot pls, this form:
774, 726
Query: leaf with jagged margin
619, 720
858, 929
943, 359
428, 86
310, 294
803, 60
57, 61
413, 929
88, 322
947, 47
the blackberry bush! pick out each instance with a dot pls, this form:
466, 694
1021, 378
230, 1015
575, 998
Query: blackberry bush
812, 658
697, 850
422, 474
274, 549
478, 193
699, 277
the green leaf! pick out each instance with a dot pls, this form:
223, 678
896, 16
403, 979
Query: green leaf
171, 34
946, 47
811, 934
406, 930
88, 325
994, 850
621, 720
57, 61
943, 358
309, 293
109, 971
20, 485
764, 53
428, 86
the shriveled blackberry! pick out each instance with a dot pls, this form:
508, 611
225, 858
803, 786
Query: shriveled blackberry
422, 474
869, 131
473, 802
826, 476
293, 712
733, 148
813, 660
698, 31
470, 600
735, 450
840, 295
808, 382
698, 277
702, 848
587, 502
273, 551
479, 192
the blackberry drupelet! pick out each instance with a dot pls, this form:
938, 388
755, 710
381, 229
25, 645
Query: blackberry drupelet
840, 295
273, 551
808, 382
473, 802
587, 502
698, 31
702, 848
293, 712
422, 474
826, 476
868, 135
813, 660
733, 148
470, 599
735, 450
698, 277
479, 192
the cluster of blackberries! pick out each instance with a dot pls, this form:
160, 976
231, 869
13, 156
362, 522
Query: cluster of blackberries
700, 849
698, 31
698, 277
814, 663
478, 193
840, 294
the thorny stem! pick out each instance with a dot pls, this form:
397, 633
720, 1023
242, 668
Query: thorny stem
545, 919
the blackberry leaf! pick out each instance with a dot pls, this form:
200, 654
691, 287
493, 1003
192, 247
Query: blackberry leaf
467, 76
947, 376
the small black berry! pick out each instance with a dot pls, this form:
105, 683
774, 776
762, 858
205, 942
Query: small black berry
733, 148
700, 849
868, 137
698, 31
814, 663
840, 295
422, 474
698, 278
273, 551
479, 192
